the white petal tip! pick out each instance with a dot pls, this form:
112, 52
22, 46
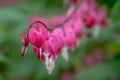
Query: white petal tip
65, 58
24, 51
50, 65
65, 54
50, 68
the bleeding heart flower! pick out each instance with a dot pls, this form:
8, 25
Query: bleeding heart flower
70, 38
89, 21
76, 27
49, 51
58, 32
70, 41
47, 45
65, 53
37, 35
50, 46
102, 18
25, 42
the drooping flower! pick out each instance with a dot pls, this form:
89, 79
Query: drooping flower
76, 27
49, 50
70, 38
70, 41
102, 18
37, 35
89, 20
25, 42
50, 46
59, 36
65, 32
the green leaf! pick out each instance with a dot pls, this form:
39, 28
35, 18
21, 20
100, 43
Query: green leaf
115, 14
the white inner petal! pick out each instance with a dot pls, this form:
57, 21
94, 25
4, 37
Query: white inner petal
65, 53
78, 43
50, 65
96, 31
22, 49
40, 50
24, 52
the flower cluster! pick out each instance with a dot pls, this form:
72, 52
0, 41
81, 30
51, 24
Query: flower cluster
48, 42
93, 16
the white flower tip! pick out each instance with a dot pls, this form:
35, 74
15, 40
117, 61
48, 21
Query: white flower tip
50, 65
78, 43
66, 57
40, 52
96, 32
24, 51
65, 54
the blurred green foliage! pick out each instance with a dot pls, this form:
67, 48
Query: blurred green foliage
14, 19
106, 71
